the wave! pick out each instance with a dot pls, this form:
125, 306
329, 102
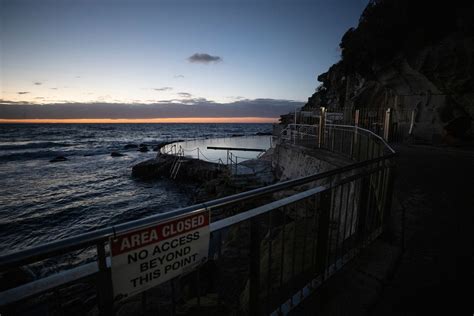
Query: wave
50, 154
34, 145
31, 155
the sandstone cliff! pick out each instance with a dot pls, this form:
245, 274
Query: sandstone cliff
408, 55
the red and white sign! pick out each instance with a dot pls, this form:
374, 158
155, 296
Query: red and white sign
150, 256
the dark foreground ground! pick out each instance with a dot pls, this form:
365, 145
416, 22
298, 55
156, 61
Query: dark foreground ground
433, 274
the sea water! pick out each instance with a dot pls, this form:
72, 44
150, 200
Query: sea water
42, 201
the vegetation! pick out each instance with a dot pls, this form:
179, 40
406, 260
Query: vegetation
391, 28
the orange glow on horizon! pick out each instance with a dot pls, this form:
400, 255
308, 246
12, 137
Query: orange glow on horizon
152, 120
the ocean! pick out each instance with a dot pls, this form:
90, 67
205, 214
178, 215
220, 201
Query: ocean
42, 201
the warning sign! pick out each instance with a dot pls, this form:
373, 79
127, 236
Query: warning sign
147, 257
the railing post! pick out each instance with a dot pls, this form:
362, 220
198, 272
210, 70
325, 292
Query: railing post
362, 209
104, 283
355, 139
254, 271
293, 133
412, 123
388, 194
322, 127
323, 232
387, 125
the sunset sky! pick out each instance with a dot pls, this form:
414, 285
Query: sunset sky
115, 59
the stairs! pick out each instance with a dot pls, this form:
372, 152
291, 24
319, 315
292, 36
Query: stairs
175, 167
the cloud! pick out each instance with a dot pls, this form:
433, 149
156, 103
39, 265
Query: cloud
204, 58
37, 83
23, 92
193, 107
8, 102
236, 98
178, 76
184, 94
163, 89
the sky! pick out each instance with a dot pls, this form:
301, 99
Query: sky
111, 59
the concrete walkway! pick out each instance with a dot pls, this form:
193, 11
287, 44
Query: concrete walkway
434, 275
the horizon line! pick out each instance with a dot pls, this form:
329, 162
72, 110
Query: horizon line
167, 120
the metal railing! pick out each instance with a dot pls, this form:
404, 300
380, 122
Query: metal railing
353, 142
269, 248
394, 124
231, 162
180, 153
177, 163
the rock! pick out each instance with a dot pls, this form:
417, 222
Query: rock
143, 149
152, 168
58, 159
425, 72
116, 154
130, 146
263, 133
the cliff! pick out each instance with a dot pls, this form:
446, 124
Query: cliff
408, 55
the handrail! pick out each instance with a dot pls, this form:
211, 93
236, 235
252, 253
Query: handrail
181, 152
335, 126
44, 251
177, 163
368, 131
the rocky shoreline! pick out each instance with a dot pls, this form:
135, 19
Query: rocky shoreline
213, 180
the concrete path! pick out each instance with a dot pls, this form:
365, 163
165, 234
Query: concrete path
434, 275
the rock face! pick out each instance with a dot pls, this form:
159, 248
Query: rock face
58, 159
143, 148
116, 154
130, 146
408, 56
153, 168
190, 169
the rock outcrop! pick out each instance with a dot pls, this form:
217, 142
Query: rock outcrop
58, 159
153, 168
189, 170
407, 55
116, 154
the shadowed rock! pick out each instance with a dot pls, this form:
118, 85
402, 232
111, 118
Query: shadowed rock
143, 148
130, 146
153, 168
58, 159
